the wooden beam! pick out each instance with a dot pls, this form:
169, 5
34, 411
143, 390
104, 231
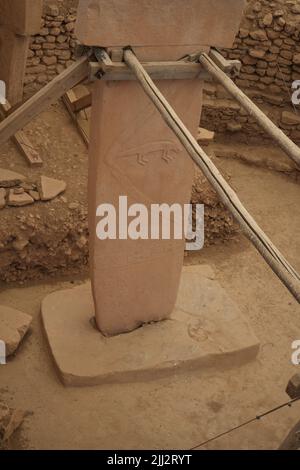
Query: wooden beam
21, 140
80, 118
54, 90
169, 70
78, 98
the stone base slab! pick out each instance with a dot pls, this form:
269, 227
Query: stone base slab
206, 329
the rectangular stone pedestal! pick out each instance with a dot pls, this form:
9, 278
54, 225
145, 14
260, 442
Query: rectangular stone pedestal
206, 329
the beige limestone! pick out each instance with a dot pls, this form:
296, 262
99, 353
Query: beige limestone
10, 178
50, 188
206, 329
13, 327
18, 200
19, 19
159, 22
134, 153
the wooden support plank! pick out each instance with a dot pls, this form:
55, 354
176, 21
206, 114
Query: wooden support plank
79, 120
21, 140
54, 90
169, 70
79, 98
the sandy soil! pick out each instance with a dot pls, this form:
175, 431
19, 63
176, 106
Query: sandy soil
186, 409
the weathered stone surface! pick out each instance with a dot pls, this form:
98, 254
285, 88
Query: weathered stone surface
290, 118
206, 329
35, 195
18, 200
2, 198
293, 388
50, 188
205, 136
10, 420
13, 326
10, 178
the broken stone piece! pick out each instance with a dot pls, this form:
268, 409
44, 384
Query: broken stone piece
50, 188
19, 191
35, 195
205, 136
293, 388
13, 327
10, 420
2, 198
10, 178
22, 199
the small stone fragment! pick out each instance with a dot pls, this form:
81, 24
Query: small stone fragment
18, 191
13, 327
73, 206
50, 188
2, 198
10, 420
290, 118
10, 178
18, 200
234, 127
205, 136
35, 195
293, 388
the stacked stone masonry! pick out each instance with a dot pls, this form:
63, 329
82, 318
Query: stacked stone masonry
268, 45
52, 50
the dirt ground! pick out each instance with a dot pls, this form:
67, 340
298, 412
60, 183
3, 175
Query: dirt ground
188, 408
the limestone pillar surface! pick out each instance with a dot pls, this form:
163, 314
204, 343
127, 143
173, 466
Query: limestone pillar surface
19, 19
133, 153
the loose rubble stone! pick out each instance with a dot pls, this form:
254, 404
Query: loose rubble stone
290, 118
10, 420
293, 388
205, 136
2, 198
13, 327
19, 199
35, 195
10, 178
50, 188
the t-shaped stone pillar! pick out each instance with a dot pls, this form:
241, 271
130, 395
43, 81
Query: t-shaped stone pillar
132, 151
19, 20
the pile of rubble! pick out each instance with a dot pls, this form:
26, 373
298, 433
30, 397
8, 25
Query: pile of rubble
16, 191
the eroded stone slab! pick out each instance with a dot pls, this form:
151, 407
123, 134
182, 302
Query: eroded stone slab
50, 188
13, 327
19, 200
205, 329
10, 178
2, 198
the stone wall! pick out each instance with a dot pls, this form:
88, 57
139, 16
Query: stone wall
268, 45
52, 50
